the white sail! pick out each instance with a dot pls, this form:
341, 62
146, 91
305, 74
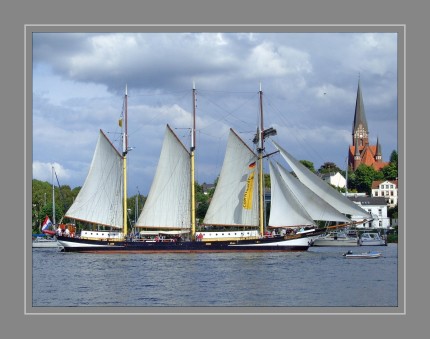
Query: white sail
100, 200
168, 205
321, 188
285, 209
235, 200
317, 208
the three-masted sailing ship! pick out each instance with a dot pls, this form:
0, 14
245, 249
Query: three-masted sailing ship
235, 217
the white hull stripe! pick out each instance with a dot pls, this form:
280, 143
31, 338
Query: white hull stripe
78, 244
292, 242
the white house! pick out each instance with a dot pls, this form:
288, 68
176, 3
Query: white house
387, 189
377, 207
336, 180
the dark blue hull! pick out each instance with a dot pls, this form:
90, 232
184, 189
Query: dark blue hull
281, 244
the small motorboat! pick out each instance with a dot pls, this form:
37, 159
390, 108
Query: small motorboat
372, 239
336, 238
364, 255
45, 242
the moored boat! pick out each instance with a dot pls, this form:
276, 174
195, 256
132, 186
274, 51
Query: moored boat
45, 242
372, 239
336, 238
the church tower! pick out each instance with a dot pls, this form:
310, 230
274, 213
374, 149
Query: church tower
361, 152
360, 132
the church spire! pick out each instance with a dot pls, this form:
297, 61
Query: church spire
360, 131
361, 152
378, 156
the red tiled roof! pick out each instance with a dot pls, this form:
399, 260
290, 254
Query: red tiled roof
379, 165
367, 156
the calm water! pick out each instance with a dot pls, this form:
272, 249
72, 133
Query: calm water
318, 277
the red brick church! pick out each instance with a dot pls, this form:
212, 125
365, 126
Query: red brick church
361, 152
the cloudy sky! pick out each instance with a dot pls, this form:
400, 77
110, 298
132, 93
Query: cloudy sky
309, 83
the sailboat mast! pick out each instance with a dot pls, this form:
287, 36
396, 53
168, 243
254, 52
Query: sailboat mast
346, 178
193, 146
136, 209
260, 165
124, 164
53, 198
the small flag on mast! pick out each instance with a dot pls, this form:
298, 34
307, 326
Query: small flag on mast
251, 165
120, 122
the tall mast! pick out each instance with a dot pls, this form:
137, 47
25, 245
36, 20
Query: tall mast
136, 209
346, 178
53, 198
260, 165
193, 146
124, 164
259, 139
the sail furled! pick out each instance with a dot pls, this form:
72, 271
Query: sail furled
317, 208
321, 188
235, 200
285, 209
168, 205
100, 200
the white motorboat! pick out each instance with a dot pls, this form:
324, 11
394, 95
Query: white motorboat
336, 238
44, 242
364, 255
372, 239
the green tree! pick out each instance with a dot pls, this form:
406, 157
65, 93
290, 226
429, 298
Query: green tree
200, 196
202, 209
390, 171
363, 177
198, 188
266, 180
42, 202
394, 157
329, 167
351, 181
393, 212
47, 210
308, 164
133, 208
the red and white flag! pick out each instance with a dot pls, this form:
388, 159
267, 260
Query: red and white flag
46, 223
